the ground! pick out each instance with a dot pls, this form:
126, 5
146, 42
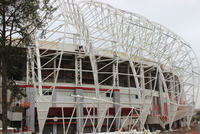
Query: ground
193, 130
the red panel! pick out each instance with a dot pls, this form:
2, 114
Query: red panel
92, 112
165, 109
156, 109
57, 111
126, 111
111, 111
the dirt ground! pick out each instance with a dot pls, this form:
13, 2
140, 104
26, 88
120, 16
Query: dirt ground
193, 130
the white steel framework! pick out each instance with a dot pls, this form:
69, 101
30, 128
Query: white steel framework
111, 38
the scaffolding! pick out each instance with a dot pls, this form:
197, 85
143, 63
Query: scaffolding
111, 60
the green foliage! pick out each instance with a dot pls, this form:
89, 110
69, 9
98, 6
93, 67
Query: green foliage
198, 113
17, 69
196, 117
20, 20
16, 92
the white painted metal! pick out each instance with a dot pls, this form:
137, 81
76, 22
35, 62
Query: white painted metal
98, 30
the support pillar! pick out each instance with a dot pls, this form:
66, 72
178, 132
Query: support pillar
79, 111
54, 129
116, 99
31, 111
116, 94
173, 108
161, 96
189, 118
54, 96
78, 75
30, 92
54, 105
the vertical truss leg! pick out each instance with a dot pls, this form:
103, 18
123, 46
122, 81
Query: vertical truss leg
79, 111
79, 108
30, 91
116, 94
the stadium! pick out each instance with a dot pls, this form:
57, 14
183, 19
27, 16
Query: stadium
102, 69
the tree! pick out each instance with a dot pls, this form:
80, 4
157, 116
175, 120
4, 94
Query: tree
17, 93
198, 113
19, 20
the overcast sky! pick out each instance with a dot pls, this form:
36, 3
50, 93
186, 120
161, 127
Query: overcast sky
180, 16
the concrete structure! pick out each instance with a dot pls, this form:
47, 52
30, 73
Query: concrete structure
101, 69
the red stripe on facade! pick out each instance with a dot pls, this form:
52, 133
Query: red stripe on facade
58, 123
68, 88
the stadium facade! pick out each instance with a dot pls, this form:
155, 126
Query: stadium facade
102, 69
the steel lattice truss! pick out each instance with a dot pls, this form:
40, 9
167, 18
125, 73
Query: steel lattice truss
97, 30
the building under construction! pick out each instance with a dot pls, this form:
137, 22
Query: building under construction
102, 69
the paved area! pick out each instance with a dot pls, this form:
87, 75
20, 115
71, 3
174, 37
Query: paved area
193, 130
